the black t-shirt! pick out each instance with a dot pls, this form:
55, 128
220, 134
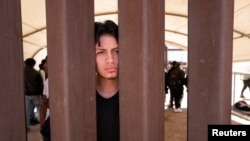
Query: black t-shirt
107, 118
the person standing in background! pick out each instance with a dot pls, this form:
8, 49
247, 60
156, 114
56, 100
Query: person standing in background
44, 113
246, 83
33, 117
167, 76
33, 88
176, 80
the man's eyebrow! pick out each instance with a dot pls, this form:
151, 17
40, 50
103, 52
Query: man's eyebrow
100, 49
115, 48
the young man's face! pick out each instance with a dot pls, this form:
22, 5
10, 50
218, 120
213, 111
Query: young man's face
107, 57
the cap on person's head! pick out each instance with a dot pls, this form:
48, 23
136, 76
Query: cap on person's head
30, 62
173, 63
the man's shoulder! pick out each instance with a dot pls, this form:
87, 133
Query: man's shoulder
177, 70
36, 72
32, 70
180, 71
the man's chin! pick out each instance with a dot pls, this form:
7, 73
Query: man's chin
112, 76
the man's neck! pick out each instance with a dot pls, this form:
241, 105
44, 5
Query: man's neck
107, 88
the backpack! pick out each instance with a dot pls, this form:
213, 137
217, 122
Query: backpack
175, 79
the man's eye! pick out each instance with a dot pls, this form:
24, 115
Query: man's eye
99, 52
117, 50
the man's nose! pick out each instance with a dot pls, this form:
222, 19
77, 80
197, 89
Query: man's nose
110, 57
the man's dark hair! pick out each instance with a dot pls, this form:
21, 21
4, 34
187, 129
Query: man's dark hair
30, 62
41, 65
108, 27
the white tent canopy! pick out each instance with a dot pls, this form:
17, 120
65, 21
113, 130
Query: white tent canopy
176, 24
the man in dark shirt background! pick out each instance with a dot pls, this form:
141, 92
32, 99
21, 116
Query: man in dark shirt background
33, 89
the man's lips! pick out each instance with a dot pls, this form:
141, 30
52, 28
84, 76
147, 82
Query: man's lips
111, 69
